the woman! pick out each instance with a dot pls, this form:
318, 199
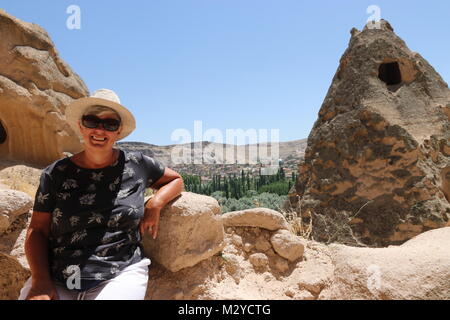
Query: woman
89, 215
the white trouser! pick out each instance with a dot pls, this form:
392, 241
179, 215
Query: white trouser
129, 284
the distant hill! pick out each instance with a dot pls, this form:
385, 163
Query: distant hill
290, 153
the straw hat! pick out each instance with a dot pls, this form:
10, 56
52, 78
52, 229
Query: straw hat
102, 97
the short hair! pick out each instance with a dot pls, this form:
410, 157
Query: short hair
97, 110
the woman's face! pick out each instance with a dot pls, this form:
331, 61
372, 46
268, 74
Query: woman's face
99, 138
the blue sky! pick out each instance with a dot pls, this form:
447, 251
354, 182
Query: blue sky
261, 64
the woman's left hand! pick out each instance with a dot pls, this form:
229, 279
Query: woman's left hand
150, 221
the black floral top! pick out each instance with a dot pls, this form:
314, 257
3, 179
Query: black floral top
95, 214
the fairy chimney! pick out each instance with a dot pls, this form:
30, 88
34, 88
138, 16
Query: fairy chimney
36, 85
377, 165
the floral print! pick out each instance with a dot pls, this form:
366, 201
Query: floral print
87, 199
95, 214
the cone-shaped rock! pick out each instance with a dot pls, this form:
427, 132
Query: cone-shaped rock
35, 88
377, 164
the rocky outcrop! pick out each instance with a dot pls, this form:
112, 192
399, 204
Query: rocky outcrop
248, 262
36, 85
377, 164
18, 184
249, 267
419, 269
190, 230
12, 277
12, 204
21, 178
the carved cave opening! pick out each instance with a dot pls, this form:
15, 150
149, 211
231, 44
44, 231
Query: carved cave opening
3, 134
390, 74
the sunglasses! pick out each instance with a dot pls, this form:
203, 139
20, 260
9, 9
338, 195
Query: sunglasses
92, 122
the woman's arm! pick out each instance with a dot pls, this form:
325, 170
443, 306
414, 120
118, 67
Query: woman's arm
169, 186
36, 250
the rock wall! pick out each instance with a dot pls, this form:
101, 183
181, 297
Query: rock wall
376, 168
252, 254
36, 85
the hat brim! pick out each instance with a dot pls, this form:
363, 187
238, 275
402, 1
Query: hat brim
76, 109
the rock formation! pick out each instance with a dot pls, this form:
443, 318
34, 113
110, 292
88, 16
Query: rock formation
419, 269
12, 277
190, 231
377, 164
36, 85
251, 254
14, 218
251, 267
13, 203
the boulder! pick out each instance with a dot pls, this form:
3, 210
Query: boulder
21, 178
259, 260
418, 269
287, 245
190, 230
256, 217
12, 204
377, 163
36, 85
12, 277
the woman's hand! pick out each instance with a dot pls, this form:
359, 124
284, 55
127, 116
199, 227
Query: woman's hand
43, 290
150, 221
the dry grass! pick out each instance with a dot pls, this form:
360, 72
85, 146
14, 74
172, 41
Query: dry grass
296, 220
336, 225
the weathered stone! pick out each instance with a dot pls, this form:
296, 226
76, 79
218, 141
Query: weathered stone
256, 217
236, 240
21, 178
12, 277
36, 85
12, 204
262, 244
287, 245
190, 230
379, 150
232, 263
289, 292
418, 269
248, 247
259, 260
304, 295
281, 264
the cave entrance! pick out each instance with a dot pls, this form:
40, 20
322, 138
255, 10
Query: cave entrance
3, 134
390, 74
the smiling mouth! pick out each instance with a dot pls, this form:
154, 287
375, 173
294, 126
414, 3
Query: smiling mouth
98, 138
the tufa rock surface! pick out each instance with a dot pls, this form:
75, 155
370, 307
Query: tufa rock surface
12, 277
190, 230
287, 245
377, 165
256, 217
36, 85
417, 270
12, 204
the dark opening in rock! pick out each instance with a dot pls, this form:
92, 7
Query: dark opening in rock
390, 73
2, 133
